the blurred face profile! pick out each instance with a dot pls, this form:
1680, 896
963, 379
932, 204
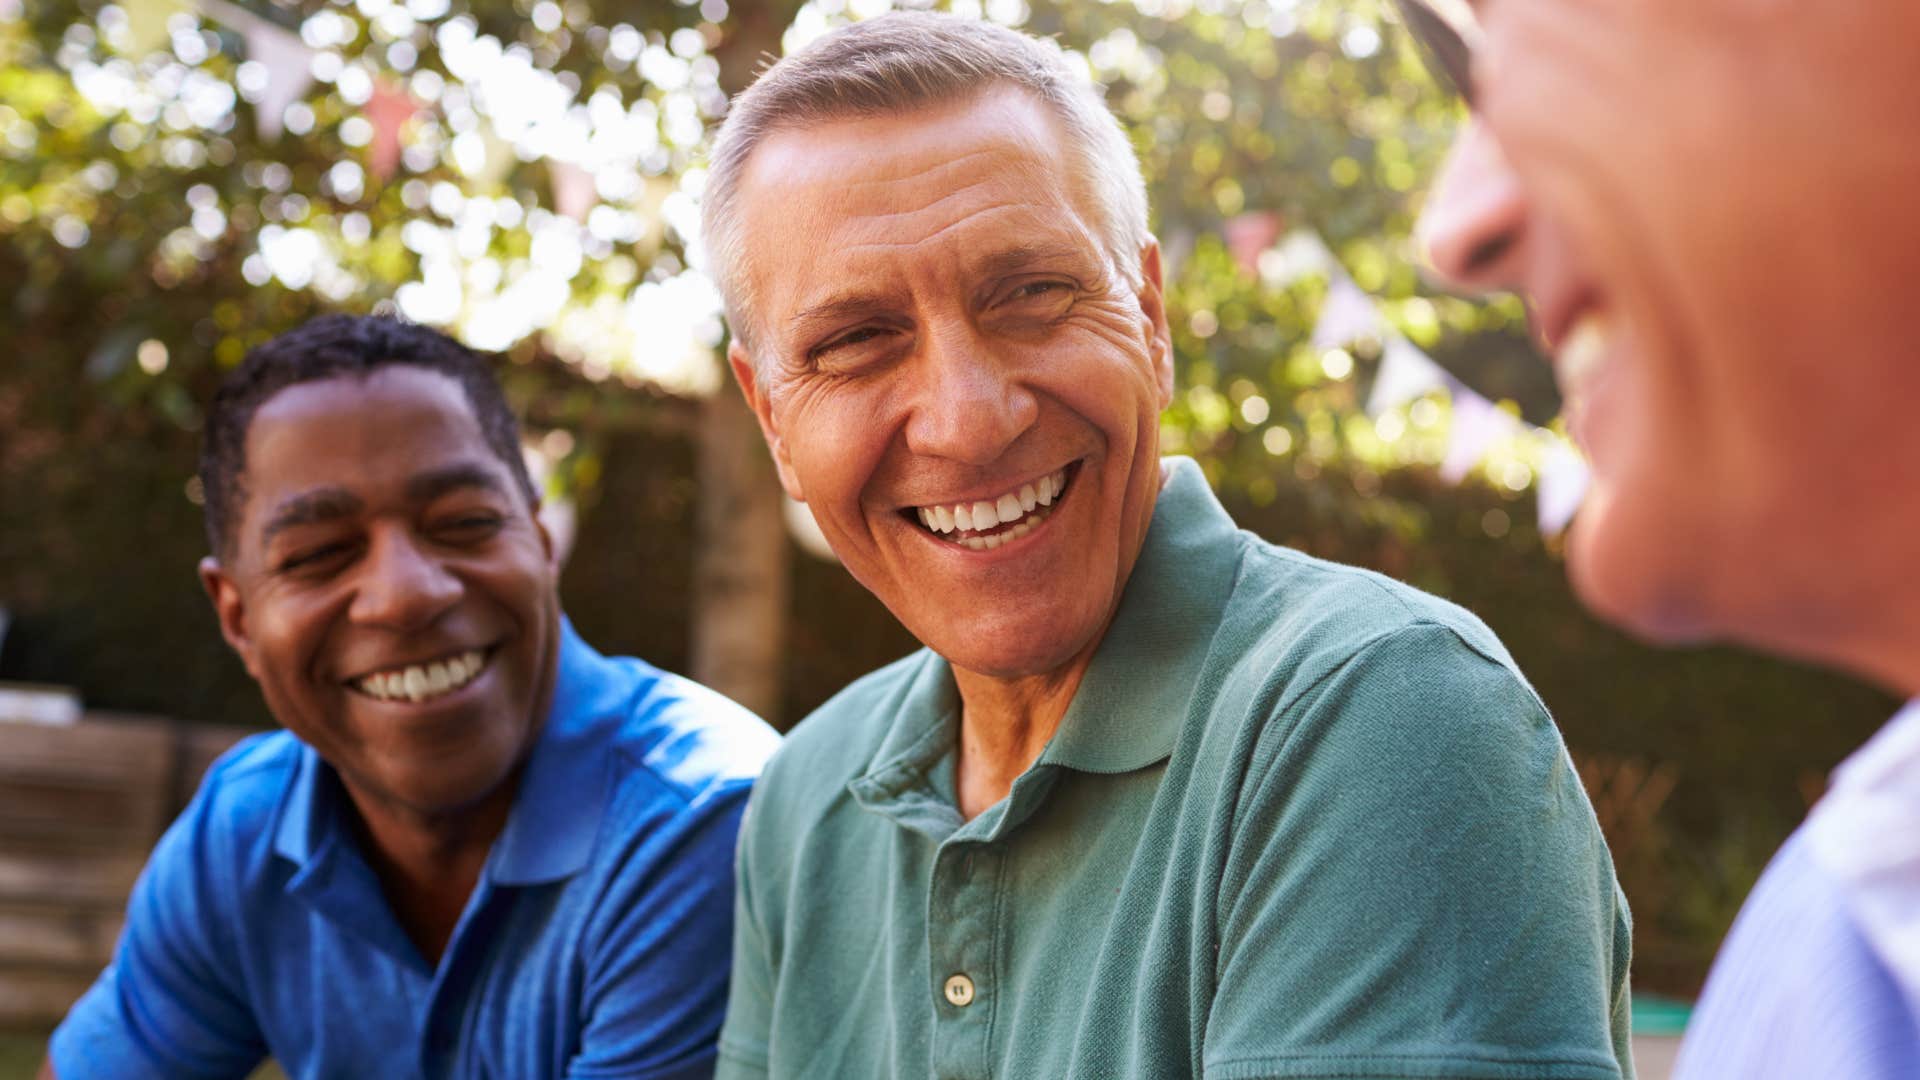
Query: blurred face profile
1712, 208
957, 380
390, 590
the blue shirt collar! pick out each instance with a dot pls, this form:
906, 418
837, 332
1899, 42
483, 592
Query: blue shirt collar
555, 821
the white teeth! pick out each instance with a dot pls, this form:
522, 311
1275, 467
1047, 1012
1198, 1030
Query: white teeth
1016, 509
1582, 354
420, 682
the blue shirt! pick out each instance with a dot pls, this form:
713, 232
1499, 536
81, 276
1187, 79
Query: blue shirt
1820, 975
594, 945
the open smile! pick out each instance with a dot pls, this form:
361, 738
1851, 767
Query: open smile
428, 680
985, 524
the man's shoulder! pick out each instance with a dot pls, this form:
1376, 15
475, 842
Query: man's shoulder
666, 728
1313, 618
242, 790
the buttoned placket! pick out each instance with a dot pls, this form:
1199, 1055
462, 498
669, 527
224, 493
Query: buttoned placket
963, 898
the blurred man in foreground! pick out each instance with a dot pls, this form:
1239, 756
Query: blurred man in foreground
1711, 207
479, 848
1158, 799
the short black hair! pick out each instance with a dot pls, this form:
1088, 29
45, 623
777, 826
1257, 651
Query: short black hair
337, 346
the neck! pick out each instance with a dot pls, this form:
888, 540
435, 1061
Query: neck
1004, 724
429, 864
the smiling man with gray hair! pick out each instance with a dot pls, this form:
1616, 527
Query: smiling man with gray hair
1157, 799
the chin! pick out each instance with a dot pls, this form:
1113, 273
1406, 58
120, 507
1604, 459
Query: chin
1647, 582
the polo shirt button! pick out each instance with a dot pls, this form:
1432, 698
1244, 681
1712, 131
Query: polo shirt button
959, 990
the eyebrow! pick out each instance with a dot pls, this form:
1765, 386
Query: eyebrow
310, 508
1024, 256
323, 505
428, 486
1006, 261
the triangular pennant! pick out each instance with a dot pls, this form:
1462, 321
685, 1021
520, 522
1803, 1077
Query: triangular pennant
1347, 314
1299, 254
573, 189
805, 530
147, 30
1562, 486
1248, 235
389, 110
1477, 425
289, 65
1405, 374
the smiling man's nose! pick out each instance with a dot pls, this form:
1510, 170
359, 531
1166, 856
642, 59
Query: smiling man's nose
970, 405
403, 586
1474, 228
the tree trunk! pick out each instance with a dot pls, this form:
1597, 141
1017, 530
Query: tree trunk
739, 561
740, 584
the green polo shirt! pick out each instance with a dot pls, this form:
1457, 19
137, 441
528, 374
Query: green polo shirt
1299, 821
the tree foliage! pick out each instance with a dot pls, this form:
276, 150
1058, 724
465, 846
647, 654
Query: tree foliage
151, 230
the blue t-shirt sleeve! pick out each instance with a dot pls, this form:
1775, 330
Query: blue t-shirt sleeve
657, 976
170, 1003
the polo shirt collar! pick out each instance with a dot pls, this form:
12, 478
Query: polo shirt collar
1133, 700
555, 820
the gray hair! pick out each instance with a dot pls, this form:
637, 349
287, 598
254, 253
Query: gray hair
898, 62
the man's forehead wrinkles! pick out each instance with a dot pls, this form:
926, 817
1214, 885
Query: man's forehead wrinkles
888, 238
932, 172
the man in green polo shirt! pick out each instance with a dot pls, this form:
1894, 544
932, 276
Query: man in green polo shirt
1158, 799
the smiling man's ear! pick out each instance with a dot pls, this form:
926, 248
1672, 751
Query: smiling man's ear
757, 400
230, 608
1153, 304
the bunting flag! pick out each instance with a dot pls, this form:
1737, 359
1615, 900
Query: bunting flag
1477, 425
1301, 253
1249, 235
147, 30
1347, 314
1406, 374
289, 65
389, 110
806, 531
573, 189
1561, 486
1176, 247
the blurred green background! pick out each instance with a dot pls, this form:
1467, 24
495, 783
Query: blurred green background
524, 172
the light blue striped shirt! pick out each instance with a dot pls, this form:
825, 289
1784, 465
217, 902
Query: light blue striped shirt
1820, 977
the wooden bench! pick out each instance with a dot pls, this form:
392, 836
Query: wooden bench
80, 807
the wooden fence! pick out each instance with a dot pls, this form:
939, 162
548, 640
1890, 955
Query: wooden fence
80, 806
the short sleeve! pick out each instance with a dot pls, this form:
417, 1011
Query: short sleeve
744, 1039
657, 977
170, 1004
1448, 909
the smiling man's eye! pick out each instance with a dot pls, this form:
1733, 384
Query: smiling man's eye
470, 526
851, 338
314, 558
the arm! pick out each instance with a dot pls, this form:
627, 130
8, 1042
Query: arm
1442, 904
46, 1071
657, 976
